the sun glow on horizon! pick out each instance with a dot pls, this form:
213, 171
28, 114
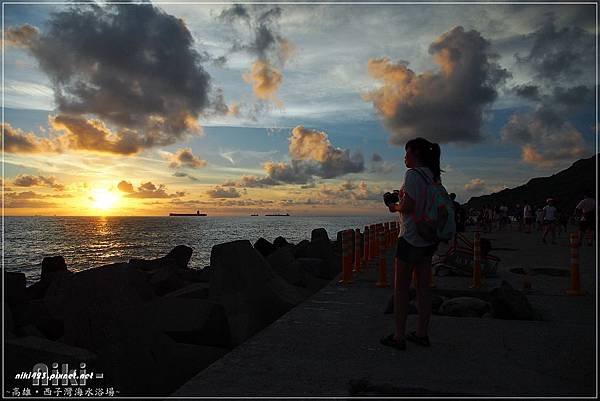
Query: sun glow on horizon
104, 199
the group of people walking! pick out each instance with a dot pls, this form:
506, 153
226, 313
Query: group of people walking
415, 249
545, 218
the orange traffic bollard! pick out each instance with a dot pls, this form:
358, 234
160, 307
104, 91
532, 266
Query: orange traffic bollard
357, 250
575, 279
346, 257
382, 256
365, 254
476, 261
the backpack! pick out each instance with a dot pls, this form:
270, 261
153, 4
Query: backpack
437, 221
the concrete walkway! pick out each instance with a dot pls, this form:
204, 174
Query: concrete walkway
331, 339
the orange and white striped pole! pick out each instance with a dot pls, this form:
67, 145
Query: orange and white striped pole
477, 261
346, 257
575, 279
382, 282
357, 250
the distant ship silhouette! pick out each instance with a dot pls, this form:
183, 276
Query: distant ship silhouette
278, 214
188, 214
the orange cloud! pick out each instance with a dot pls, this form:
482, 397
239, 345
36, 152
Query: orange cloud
125, 186
475, 185
265, 80
445, 105
307, 144
547, 139
184, 157
23, 36
17, 141
94, 135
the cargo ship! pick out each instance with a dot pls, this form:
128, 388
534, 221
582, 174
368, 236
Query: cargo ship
188, 214
287, 214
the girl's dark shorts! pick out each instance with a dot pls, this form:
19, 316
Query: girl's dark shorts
528, 220
413, 254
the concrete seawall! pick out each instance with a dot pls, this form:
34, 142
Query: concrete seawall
329, 344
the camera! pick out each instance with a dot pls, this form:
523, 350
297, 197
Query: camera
391, 197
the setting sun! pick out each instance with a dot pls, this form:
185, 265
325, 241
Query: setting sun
104, 199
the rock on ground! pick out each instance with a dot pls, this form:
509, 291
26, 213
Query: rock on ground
251, 292
464, 307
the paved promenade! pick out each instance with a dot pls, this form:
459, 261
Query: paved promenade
329, 344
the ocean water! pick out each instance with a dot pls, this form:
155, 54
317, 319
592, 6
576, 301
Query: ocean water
87, 242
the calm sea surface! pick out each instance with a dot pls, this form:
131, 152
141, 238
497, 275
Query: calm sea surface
93, 241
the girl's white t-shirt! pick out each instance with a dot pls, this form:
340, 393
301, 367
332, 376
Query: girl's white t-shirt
415, 187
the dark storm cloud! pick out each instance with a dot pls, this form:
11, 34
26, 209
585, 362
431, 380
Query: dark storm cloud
561, 60
559, 53
25, 180
269, 47
296, 172
182, 174
445, 105
132, 66
220, 192
546, 138
529, 92
264, 24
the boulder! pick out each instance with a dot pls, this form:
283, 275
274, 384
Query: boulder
22, 354
283, 262
316, 267
53, 264
185, 320
299, 250
464, 307
163, 274
138, 364
195, 275
38, 289
30, 330
9, 323
182, 255
264, 247
14, 287
153, 365
166, 278
35, 313
280, 241
251, 292
508, 303
88, 302
319, 233
321, 249
195, 290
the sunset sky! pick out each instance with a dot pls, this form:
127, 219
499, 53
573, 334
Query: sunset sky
238, 109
